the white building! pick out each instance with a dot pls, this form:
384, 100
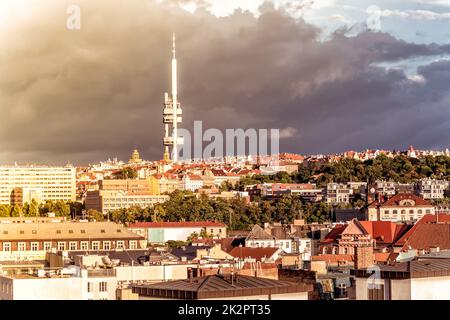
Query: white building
431, 188
40, 183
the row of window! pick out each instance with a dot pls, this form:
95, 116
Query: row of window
71, 245
403, 211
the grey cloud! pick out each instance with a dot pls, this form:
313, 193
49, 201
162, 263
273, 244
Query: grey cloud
96, 93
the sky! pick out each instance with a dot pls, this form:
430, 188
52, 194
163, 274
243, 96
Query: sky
332, 75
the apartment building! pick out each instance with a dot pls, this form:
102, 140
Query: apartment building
21, 184
338, 193
431, 189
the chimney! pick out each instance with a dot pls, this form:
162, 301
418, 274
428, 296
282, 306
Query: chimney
364, 257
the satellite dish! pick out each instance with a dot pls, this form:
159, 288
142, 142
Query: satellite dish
372, 190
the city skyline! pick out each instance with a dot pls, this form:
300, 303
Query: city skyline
86, 95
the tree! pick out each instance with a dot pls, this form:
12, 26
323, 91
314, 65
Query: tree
16, 211
5, 210
93, 214
126, 173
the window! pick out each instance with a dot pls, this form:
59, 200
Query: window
403, 211
47, 246
7, 246
58, 231
89, 287
411, 211
61, 246
95, 245
419, 211
133, 245
73, 245
34, 246
386, 211
22, 232
342, 290
394, 212
428, 211
84, 245
376, 293
106, 245
120, 244
21, 246
102, 286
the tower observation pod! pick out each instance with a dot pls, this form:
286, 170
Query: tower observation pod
172, 114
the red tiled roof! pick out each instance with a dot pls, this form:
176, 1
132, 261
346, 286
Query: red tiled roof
394, 200
334, 233
255, 253
428, 218
187, 224
385, 231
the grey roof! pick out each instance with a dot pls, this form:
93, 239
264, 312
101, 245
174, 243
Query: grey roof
425, 268
189, 252
215, 286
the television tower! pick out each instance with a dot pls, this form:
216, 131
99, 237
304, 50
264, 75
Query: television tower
172, 114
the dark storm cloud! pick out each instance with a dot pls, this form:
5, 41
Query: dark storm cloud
95, 93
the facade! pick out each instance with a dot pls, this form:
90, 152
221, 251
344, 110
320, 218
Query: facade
33, 240
431, 189
161, 232
25, 183
106, 201
400, 207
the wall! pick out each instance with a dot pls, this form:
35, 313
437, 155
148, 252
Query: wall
401, 289
152, 273
436, 288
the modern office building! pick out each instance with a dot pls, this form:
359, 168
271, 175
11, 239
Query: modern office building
21, 184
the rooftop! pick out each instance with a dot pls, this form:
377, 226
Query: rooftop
219, 286
65, 230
